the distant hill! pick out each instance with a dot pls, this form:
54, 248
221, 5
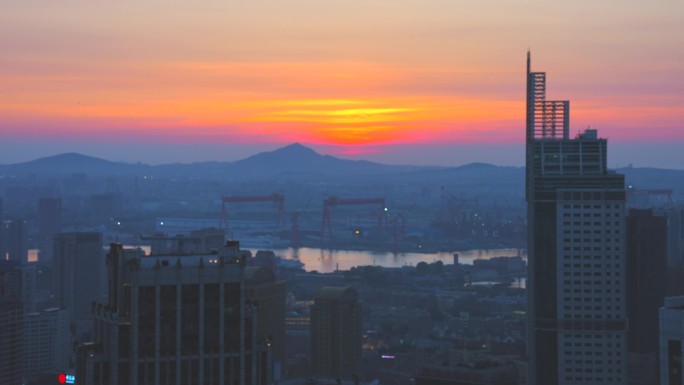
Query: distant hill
297, 161
645, 178
70, 163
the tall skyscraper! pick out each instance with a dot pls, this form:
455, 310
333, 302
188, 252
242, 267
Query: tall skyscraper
672, 341
46, 342
11, 323
175, 319
576, 257
49, 216
16, 241
78, 278
336, 333
3, 249
646, 289
268, 295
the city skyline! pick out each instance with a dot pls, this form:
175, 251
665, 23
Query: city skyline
411, 83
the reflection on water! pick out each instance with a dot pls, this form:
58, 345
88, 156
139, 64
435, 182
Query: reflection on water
326, 261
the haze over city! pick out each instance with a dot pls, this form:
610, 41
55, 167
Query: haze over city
302, 192
403, 82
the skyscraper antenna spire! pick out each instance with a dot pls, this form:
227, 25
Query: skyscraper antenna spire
528, 61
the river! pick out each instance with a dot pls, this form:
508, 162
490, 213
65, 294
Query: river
326, 261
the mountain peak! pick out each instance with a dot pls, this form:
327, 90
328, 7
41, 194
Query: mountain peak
296, 149
293, 155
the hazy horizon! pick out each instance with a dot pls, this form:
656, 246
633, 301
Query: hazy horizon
416, 82
661, 155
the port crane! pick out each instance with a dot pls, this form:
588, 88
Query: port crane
276, 198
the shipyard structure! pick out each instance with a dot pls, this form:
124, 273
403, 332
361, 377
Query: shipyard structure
576, 249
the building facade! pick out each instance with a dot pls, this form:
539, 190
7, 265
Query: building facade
671, 341
175, 319
11, 322
576, 250
78, 278
46, 342
16, 240
646, 259
267, 294
336, 333
49, 216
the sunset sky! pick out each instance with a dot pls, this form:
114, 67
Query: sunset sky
397, 81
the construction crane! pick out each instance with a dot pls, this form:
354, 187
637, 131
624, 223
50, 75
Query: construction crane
277, 198
335, 201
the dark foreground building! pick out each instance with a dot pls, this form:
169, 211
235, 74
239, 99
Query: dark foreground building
646, 291
11, 323
175, 319
576, 250
481, 373
336, 333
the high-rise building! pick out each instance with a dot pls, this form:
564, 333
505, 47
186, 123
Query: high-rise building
671, 341
49, 223
3, 249
11, 322
29, 286
576, 250
15, 241
46, 342
675, 234
268, 295
49, 216
336, 333
646, 259
175, 319
78, 278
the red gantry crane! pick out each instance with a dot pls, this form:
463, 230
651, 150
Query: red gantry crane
276, 198
335, 201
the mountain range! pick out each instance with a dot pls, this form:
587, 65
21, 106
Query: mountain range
296, 161
292, 160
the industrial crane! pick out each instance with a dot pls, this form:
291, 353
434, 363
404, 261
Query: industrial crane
335, 201
277, 198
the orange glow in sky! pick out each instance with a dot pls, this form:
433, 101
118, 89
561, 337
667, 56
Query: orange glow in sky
361, 79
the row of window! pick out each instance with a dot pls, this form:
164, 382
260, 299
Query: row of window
590, 273
585, 231
590, 299
589, 248
592, 314
589, 265
575, 241
589, 256
589, 291
586, 206
587, 223
596, 308
591, 353
617, 380
590, 214
606, 282
591, 370
569, 335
